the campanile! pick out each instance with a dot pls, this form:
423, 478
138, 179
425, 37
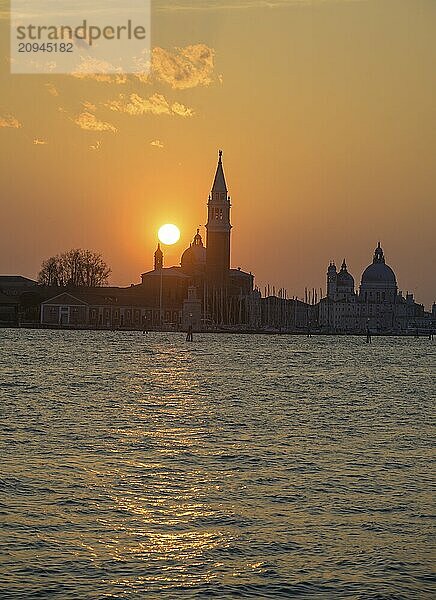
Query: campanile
218, 229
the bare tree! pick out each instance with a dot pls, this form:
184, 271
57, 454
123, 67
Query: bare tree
78, 268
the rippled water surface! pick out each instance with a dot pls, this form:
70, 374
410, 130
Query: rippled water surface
138, 466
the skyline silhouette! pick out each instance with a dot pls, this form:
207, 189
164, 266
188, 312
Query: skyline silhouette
310, 295
204, 291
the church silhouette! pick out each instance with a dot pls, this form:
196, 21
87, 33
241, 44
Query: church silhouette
204, 292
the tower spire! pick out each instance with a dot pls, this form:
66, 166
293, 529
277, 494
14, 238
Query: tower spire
158, 258
219, 184
218, 228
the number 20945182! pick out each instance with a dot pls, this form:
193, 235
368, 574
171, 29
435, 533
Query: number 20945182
45, 47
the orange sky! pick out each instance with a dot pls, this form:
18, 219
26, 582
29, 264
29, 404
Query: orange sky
324, 110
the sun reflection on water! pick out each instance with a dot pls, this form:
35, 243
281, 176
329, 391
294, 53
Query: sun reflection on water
136, 466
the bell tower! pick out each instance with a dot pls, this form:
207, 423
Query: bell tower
332, 276
218, 229
158, 259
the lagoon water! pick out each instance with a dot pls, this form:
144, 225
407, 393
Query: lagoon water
140, 466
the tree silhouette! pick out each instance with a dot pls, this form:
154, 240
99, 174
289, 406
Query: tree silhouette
77, 268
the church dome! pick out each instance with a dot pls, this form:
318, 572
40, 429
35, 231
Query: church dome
379, 273
194, 257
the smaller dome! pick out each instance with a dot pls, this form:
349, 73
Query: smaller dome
194, 257
344, 278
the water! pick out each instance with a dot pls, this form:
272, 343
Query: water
141, 466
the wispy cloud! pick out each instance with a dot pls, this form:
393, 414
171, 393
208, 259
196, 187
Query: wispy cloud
39, 142
95, 146
157, 144
211, 5
157, 104
89, 122
89, 106
184, 68
98, 70
10, 121
181, 110
181, 68
52, 89
204, 5
101, 8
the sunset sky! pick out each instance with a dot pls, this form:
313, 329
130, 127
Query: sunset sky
325, 111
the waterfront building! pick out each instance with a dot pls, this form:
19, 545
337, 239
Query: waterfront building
104, 308
14, 285
9, 307
378, 305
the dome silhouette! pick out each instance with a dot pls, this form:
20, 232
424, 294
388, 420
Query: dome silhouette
194, 257
344, 278
379, 273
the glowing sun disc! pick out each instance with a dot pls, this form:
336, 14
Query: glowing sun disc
169, 234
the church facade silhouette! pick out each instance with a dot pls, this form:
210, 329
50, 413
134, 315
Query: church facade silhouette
205, 271
378, 305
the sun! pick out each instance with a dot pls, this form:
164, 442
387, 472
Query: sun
169, 234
